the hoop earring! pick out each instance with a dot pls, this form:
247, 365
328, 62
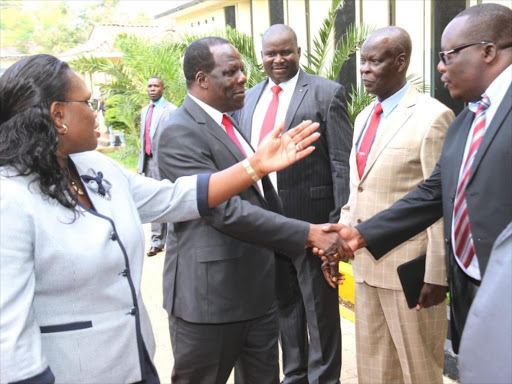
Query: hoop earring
65, 129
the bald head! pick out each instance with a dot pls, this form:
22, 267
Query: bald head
396, 40
385, 57
488, 22
280, 53
477, 48
280, 30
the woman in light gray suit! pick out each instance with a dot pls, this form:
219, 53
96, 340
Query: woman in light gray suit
71, 242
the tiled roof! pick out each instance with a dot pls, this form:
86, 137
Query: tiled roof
102, 38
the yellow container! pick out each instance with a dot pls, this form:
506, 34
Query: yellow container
347, 291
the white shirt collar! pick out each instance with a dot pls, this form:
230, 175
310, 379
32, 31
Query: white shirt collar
212, 112
497, 90
286, 86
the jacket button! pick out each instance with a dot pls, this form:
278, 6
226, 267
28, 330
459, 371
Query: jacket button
359, 189
133, 311
113, 236
452, 198
359, 221
125, 272
446, 240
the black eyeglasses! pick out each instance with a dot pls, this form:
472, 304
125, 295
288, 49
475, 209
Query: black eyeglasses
442, 54
88, 102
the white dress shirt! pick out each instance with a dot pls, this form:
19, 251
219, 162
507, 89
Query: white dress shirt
495, 92
217, 117
285, 96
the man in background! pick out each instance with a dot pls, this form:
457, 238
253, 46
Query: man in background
313, 190
152, 118
397, 142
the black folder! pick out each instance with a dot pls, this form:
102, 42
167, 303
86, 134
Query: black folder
411, 276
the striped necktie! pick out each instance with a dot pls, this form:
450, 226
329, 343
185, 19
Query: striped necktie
464, 248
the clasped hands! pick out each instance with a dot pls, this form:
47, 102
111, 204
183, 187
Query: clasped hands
334, 243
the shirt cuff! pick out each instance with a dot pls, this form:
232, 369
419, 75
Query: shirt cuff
45, 377
203, 182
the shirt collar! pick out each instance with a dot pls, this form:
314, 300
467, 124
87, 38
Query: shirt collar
390, 103
286, 86
159, 102
212, 112
497, 90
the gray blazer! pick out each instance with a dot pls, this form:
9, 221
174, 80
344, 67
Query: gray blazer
486, 345
159, 114
70, 299
487, 195
221, 268
315, 188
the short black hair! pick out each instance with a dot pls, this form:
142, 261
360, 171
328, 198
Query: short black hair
198, 57
158, 78
489, 22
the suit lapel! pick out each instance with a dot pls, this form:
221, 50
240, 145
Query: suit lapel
391, 127
456, 152
298, 94
358, 129
210, 126
496, 124
249, 107
161, 111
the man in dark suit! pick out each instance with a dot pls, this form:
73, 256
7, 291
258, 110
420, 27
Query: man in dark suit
152, 117
313, 190
219, 273
471, 184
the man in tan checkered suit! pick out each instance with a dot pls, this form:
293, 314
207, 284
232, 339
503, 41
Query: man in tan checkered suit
396, 344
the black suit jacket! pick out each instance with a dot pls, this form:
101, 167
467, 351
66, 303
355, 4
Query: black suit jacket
220, 268
315, 188
488, 196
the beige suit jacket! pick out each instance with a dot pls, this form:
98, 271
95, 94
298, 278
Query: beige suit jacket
404, 154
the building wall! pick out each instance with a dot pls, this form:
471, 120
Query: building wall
423, 19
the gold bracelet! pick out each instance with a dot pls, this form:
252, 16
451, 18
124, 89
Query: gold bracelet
250, 170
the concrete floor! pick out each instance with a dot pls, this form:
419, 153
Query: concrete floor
152, 294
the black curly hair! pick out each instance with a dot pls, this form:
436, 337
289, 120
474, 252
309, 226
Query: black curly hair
28, 136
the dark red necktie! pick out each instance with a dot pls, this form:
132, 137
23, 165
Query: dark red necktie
226, 122
270, 118
147, 133
369, 136
464, 247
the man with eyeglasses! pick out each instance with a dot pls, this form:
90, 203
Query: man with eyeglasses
471, 186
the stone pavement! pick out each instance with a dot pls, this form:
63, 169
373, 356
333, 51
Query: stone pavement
152, 294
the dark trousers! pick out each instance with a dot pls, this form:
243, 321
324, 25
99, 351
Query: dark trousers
307, 304
463, 290
207, 353
158, 230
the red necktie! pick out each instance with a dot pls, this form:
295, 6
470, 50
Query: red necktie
231, 132
366, 144
270, 118
464, 248
147, 134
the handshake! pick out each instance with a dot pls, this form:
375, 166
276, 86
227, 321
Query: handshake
334, 243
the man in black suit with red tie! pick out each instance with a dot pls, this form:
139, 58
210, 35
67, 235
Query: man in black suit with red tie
314, 189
